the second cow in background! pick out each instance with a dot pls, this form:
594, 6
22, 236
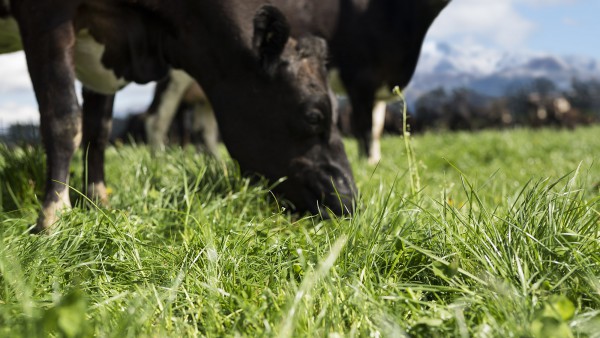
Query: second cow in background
180, 89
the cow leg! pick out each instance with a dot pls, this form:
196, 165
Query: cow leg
205, 120
376, 132
50, 59
182, 124
157, 124
362, 98
97, 123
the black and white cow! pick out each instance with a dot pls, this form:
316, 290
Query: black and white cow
269, 92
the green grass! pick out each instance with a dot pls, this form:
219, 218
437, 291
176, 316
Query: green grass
502, 240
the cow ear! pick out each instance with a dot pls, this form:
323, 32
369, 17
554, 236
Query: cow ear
271, 33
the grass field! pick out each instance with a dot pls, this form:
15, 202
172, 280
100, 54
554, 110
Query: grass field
492, 234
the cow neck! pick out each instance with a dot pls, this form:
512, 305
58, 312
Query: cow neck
219, 27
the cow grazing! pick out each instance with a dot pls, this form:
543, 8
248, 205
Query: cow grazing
552, 110
373, 43
269, 91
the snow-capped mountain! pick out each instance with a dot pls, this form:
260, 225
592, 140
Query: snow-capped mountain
493, 72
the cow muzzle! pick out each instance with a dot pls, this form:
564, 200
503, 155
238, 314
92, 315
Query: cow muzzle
325, 190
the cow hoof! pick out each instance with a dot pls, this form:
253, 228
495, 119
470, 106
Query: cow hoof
98, 193
374, 160
374, 153
49, 214
43, 224
155, 134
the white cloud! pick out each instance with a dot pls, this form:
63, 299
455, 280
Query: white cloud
11, 112
13, 72
494, 22
467, 58
550, 2
17, 101
491, 22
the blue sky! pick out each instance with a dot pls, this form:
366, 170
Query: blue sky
566, 27
569, 28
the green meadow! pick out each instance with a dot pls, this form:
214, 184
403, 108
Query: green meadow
488, 234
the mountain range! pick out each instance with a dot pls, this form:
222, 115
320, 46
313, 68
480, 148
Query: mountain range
492, 72
487, 71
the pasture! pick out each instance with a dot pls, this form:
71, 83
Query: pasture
490, 234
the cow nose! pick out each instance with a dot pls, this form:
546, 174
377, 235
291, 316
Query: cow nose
335, 190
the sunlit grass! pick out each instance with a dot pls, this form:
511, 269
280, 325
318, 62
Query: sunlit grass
502, 239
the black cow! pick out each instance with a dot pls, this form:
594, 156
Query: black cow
269, 92
373, 43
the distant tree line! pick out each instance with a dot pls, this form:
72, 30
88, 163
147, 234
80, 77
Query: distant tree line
18, 133
537, 104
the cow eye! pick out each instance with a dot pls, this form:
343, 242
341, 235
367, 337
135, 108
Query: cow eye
314, 117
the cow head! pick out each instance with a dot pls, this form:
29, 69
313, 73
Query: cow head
277, 120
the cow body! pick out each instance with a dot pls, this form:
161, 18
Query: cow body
373, 43
269, 92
